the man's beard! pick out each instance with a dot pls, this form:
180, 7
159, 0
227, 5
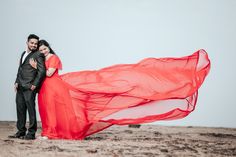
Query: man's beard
32, 49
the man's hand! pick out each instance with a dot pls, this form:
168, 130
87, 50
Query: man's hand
15, 87
32, 87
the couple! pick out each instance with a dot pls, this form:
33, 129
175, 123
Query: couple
77, 104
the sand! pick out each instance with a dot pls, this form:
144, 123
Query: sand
123, 141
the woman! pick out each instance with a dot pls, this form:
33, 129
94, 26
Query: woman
78, 104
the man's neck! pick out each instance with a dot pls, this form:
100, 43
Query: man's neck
27, 51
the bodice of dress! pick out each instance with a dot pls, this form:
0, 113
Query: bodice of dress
54, 62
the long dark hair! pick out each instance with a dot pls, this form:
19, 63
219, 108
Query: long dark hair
45, 43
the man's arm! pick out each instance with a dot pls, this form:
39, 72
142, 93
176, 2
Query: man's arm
17, 77
41, 70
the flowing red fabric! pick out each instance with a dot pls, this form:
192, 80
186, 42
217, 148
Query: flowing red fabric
77, 104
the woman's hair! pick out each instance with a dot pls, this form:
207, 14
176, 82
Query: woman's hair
45, 43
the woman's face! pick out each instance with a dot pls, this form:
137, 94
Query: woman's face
44, 49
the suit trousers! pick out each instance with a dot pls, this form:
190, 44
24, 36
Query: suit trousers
25, 100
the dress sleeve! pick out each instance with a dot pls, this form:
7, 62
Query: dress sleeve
55, 62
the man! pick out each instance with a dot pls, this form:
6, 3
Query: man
27, 84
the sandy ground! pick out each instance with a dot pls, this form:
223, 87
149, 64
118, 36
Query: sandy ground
123, 141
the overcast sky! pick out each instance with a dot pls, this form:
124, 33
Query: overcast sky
93, 34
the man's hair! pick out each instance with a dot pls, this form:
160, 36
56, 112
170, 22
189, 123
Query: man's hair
33, 36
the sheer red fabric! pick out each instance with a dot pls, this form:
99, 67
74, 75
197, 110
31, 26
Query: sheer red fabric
77, 104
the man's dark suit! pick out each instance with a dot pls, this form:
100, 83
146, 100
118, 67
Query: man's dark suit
25, 97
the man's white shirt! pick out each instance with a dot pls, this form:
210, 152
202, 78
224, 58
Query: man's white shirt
25, 55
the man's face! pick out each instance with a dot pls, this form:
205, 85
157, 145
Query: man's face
32, 44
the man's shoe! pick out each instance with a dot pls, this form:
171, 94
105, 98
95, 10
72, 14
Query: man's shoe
29, 137
17, 135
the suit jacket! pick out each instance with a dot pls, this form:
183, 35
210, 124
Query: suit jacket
27, 75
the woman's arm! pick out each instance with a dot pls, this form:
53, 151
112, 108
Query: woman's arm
50, 72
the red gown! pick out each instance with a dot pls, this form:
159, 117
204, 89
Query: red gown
77, 104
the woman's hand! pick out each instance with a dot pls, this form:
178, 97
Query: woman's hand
33, 63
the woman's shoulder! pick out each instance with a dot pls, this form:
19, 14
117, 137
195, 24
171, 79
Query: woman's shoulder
54, 57
54, 61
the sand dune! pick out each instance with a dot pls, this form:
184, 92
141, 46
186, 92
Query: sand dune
123, 141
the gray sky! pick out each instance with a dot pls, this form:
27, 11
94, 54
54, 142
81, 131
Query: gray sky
92, 34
